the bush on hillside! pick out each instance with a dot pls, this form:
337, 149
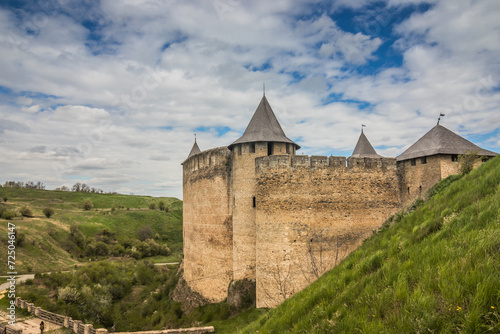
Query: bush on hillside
88, 205
25, 211
467, 161
145, 232
5, 198
152, 205
8, 214
48, 212
161, 205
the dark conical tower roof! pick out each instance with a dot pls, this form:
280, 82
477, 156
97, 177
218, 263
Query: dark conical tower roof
263, 127
440, 140
364, 149
194, 150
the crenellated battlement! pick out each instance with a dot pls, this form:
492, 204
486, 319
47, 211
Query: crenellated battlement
315, 162
215, 157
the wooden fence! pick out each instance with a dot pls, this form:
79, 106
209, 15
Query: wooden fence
78, 327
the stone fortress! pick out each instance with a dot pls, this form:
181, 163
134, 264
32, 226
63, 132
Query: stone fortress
256, 213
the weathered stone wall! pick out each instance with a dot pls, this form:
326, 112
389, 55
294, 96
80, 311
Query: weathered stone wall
419, 175
207, 223
243, 188
311, 212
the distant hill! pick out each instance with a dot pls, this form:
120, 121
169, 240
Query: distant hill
435, 269
47, 244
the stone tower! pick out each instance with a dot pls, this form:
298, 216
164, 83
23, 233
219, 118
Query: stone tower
262, 137
431, 159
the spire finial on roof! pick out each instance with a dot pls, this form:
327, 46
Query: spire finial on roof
263, 88
362, 126
439, 118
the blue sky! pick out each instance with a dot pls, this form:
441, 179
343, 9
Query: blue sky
111, 93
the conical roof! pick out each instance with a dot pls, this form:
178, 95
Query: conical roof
364, 149
263, 127
194, 150
440, 140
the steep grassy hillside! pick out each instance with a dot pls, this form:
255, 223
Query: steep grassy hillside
434, 270
46, 244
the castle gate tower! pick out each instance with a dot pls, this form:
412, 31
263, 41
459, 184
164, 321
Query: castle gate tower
262, 137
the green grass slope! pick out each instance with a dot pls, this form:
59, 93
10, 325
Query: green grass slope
45, 246
434, 270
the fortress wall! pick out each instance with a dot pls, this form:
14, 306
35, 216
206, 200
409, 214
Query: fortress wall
311, 212
207, 223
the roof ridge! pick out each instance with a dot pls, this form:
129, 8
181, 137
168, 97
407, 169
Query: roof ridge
440, 140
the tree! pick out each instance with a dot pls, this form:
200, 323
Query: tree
323, 252
48, 212
161, 205
281, 282
467, 160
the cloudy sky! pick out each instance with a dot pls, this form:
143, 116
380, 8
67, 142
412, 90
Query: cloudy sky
110, 93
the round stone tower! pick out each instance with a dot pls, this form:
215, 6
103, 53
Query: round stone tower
262, 137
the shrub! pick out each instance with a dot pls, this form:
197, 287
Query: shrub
152, 205
25, 211
145, 232
101, 249
48, 212
88, 205
117, 250
68, 294
5, 198
467, 161
20, 237
161, 205
8, 214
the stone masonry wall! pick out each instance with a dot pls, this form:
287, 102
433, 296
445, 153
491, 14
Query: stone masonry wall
243, 183
311, 212
419, 176
207, 223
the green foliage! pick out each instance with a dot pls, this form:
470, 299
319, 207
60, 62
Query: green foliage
152, 205
132, 295
87, 205
161, 205
54, 244
436, 271
467, 161
5, 198
25, 211
145, 232
8, 214
48, 212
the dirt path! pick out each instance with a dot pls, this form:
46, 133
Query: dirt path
19, 278
32, 325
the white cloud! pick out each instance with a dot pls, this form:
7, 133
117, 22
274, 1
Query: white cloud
118, 108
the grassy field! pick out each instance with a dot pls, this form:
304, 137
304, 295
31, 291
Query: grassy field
44, 247
435, 269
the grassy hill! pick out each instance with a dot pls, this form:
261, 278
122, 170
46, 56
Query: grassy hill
435, 269
45, 245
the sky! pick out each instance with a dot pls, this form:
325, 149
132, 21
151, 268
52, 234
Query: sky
111, 93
